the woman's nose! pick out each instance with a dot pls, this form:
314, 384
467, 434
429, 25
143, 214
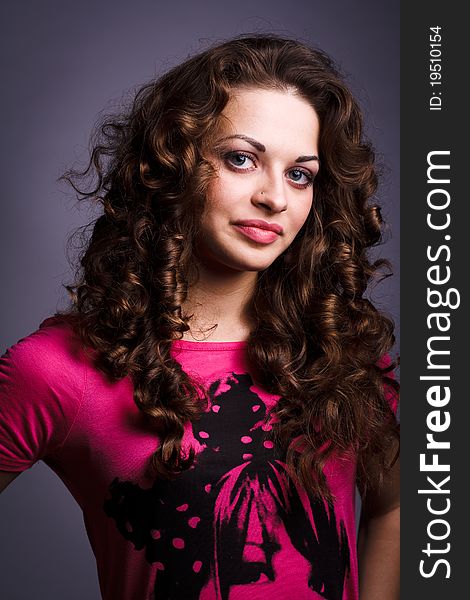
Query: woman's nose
270, 196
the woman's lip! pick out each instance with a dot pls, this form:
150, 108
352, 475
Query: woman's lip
260, 224
257, 234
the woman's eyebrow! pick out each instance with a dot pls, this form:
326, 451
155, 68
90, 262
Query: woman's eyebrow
307, 158
262, 148
258, 145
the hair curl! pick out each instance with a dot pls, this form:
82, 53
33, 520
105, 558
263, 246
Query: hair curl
318, 341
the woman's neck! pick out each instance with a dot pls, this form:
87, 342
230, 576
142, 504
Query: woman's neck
219, 303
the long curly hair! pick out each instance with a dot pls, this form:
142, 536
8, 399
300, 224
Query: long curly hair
318, 342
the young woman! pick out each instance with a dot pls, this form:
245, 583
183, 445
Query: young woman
220, 382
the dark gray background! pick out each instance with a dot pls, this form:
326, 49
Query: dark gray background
64, 62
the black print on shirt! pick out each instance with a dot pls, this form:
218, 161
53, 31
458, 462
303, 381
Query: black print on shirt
234, 517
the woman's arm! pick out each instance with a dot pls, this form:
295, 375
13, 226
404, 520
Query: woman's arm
379, 541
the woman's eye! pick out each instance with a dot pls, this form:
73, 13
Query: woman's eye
301, 177
239, 160
244, 162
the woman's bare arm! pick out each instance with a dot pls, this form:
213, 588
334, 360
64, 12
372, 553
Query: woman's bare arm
379, 541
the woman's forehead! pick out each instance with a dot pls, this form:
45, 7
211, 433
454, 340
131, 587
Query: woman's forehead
273, 118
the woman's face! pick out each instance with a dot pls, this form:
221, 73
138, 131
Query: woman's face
266, 157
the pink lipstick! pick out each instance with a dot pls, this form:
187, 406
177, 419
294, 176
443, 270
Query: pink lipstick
258, 230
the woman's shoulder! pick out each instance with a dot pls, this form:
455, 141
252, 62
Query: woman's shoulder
52, 352
42, 382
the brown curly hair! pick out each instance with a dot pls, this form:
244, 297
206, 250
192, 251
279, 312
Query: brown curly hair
318, 342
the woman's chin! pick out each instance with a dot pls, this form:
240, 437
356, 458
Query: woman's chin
237, 264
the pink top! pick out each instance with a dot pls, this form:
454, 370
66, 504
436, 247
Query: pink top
232, 527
